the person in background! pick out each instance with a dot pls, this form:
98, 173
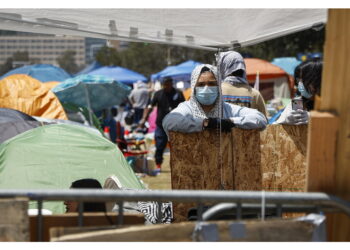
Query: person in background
202, 111
308, 76
166, 99
139, 97
72, 206
235, 86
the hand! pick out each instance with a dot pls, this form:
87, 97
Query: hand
226, 124
141, 123
297, 117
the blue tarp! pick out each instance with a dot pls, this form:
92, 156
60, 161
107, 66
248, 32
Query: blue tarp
119, 74
41, 72
94, 65
180, 72
157, 76
288, 64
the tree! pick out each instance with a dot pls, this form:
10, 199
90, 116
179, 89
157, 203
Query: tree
7, 66
288, 46
67, 61
108, 56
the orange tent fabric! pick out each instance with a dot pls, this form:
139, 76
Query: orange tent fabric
50, 85
266, 69
187, 93
26, 94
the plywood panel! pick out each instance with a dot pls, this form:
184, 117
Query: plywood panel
14, 222
274, 230
195, 164
71, 220
271, 160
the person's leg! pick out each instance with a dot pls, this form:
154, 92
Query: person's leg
138, 115
161, 142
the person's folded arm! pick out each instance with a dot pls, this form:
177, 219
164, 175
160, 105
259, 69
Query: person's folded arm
248, 118
184, 123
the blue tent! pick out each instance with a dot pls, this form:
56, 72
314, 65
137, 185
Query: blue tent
288, 64
157, 76
119, 74
41, 72
180, 72
94, 65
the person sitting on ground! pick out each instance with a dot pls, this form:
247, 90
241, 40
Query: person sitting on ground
202, 111
308, 75
235, 86
72, 206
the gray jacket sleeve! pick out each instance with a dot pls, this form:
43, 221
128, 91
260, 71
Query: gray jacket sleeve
245, 118
182, 120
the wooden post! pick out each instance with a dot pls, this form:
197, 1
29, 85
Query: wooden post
322, 134
335, 98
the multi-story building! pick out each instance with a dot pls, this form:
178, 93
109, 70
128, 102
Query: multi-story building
42, 48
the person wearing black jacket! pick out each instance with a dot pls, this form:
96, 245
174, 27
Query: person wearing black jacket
166, 99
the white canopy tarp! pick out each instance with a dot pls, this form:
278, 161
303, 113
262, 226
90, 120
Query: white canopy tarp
197, 28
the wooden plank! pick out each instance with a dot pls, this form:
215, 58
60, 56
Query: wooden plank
335, 98
14, 222
321, 152
270, 230
71, 220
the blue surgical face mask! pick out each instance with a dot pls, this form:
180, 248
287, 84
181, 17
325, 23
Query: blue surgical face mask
303, 91
207, 95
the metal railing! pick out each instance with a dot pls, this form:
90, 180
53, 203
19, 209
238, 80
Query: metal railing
252, 201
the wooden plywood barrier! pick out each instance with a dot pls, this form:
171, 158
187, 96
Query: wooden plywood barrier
14, 222
273, 230
271, 160
71, 220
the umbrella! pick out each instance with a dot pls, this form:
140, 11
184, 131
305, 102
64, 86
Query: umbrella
14, 122
92, 91
53, 156
119, 74
41, 72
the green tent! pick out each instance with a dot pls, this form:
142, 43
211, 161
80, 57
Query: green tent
53, 156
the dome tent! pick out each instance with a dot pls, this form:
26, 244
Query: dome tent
28, 95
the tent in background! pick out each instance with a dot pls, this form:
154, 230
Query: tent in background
54, 156
94, 65
119, 74
288, 64
181, 72
156, 76
41, 72
50, 85
28, 95
14, 122
274, 81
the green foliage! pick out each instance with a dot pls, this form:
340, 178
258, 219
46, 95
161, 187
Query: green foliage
7, 66
108, 56
288, 46
67, 61
149, 58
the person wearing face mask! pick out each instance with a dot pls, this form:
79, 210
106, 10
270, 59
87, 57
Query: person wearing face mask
202, 111
235, 86
308, 76
166, 99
